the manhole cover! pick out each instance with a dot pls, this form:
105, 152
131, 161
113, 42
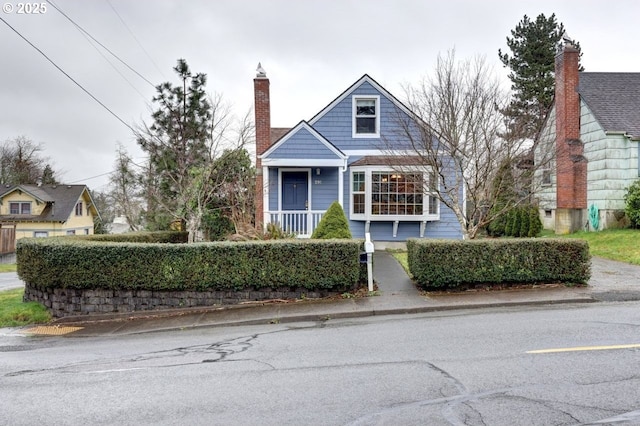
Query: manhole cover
52, 330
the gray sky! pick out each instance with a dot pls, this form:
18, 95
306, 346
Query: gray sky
311, 51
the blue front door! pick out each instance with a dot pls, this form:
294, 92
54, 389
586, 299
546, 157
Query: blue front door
295, 191
295, 201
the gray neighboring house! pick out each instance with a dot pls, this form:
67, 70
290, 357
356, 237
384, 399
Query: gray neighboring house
593, 135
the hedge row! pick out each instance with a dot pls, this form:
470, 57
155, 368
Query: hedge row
173, 237
450, 264
85, 264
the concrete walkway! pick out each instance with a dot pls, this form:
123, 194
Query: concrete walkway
397, 295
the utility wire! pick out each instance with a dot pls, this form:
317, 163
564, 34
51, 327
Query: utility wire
135, 38
101, 45
68, 76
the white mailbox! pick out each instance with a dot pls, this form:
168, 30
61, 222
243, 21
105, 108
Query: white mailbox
369, 249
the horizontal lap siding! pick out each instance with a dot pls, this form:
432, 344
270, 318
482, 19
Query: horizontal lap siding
324, 188
303, 145
612, 163
337, 124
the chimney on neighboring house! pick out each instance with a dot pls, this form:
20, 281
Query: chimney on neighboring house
263, 137
571, 165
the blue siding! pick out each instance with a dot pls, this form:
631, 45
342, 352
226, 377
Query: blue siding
324, 188
303, 145
336, 124
273, 188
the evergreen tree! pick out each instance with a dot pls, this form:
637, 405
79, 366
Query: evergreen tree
533, 46
48, 176
176, 141
504, 197
524, 221
535, 224
333, 224
508, 226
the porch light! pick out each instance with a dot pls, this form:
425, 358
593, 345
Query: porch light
318, 171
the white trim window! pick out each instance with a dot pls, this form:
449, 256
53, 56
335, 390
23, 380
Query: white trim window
79, 208
40, 234
18, 208
380, 193
366, 116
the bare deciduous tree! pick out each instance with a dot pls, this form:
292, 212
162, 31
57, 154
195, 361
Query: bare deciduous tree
21, 162
126, 190
458, 138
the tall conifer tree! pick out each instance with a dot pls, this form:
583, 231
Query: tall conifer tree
533, 46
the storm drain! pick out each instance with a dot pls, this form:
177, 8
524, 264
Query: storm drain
52, 330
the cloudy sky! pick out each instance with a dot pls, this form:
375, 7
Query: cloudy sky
311, 51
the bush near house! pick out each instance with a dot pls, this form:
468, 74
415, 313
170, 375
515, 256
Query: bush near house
522, 222
98, 262
333, 224
451, 264
632, 204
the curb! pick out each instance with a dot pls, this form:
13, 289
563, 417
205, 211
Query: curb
97, 327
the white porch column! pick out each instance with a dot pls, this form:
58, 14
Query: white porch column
265, 197
341, 187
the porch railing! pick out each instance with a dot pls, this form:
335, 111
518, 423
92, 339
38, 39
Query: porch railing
302, 223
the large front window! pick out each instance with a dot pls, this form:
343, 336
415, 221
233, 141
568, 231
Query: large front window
380, 194
396, 193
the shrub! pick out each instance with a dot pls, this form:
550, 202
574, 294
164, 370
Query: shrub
632, 204
333, 224
535, 224
508, 227
449, 264
524, 221
84, 263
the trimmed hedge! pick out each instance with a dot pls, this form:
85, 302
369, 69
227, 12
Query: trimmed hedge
93, 263
451, 264
173, 237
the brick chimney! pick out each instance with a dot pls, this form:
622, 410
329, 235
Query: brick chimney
571, 165
262, 110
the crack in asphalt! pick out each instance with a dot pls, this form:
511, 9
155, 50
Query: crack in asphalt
201, 354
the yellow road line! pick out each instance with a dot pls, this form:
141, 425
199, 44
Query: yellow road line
584, 348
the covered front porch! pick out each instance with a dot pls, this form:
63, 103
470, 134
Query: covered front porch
302, 173
296, 198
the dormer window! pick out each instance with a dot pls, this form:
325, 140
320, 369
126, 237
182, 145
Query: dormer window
366, 116
19, 208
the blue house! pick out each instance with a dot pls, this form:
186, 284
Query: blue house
356, 151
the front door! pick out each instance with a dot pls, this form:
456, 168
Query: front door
295, 201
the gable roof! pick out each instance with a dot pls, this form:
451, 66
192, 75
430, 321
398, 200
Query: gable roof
364, 79
614, 99
60, 199
333, 156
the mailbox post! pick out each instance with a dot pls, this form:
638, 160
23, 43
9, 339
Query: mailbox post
369, 249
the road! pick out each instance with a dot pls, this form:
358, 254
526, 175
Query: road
564, 365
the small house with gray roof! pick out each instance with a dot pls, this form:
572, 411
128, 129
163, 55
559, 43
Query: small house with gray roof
44, 211
592, 138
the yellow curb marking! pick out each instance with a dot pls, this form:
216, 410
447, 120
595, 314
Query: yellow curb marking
584, 348
52, 330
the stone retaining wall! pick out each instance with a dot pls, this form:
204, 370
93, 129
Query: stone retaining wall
73, 302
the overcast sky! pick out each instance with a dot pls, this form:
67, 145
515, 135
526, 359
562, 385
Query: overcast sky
311, 51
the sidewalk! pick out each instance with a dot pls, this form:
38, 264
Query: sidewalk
611, 281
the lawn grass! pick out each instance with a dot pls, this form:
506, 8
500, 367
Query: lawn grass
15, 313
615, 244
8, 267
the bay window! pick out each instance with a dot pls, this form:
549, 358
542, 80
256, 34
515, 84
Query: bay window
379, 193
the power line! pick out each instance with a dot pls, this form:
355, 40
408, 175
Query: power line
101, 45
67, 75
135, 38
